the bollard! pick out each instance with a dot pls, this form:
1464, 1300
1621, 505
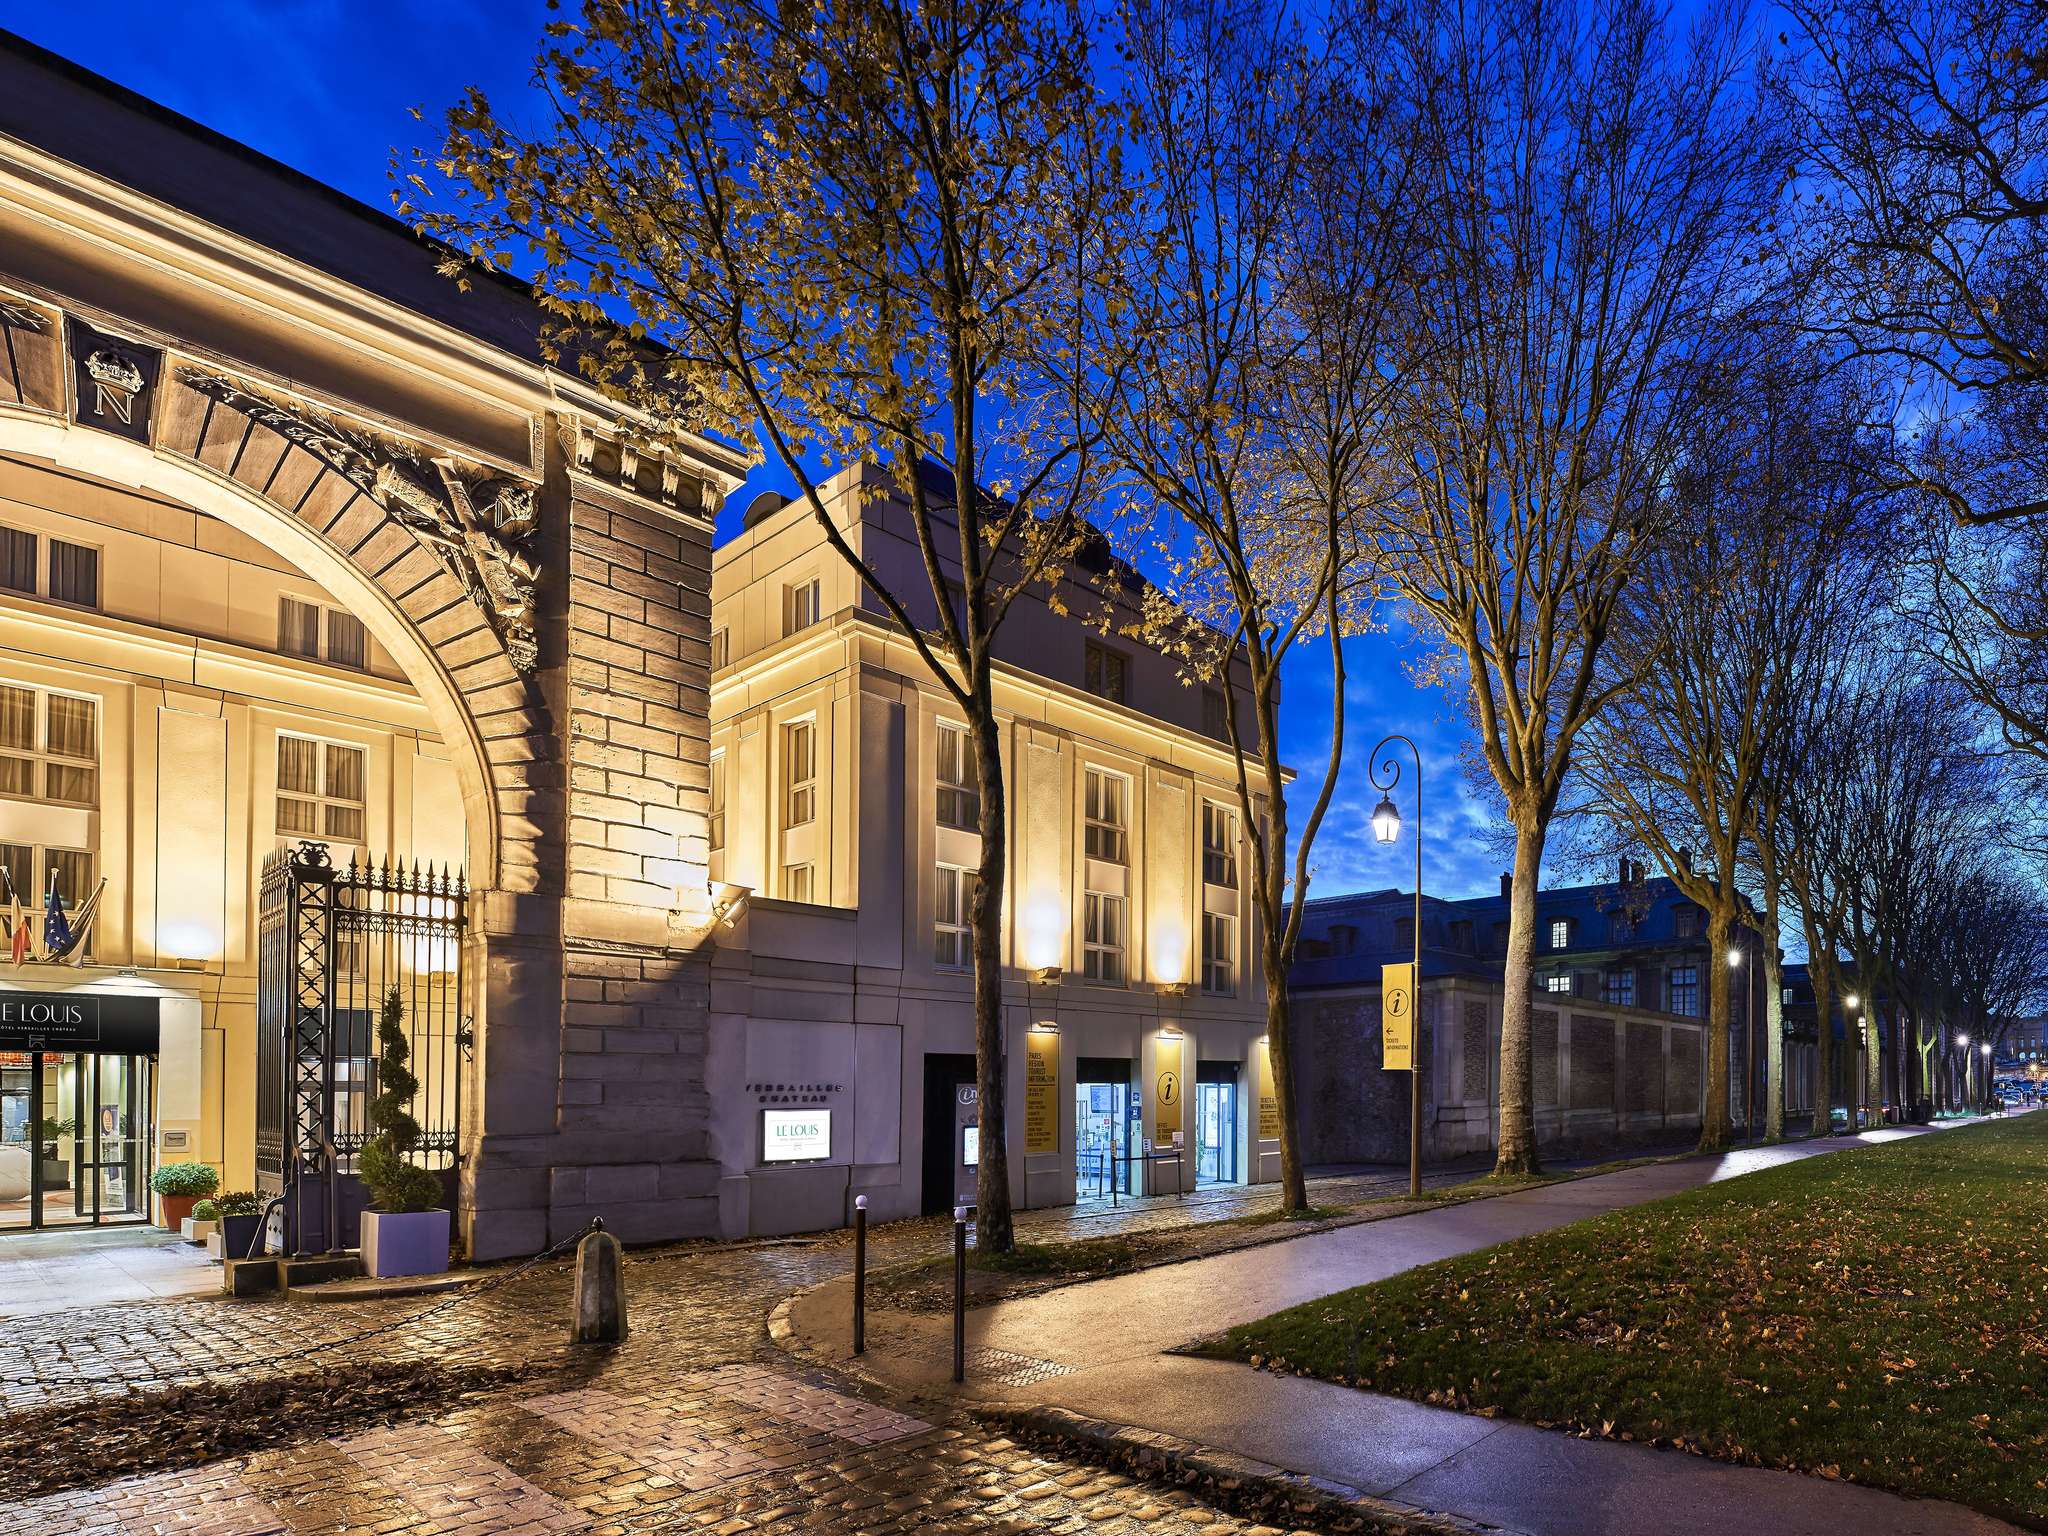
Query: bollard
860, 1274
959, 1293
599, 1315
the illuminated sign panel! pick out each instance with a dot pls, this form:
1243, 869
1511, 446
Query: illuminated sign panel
795, 1135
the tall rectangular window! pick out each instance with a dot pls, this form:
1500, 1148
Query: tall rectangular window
1105, 797
1219, 844
29, 868
298, 627
1215, 715
18, 560
74, 573
1561, 934
1618, 990
796, 882
1104, 673
1219, 954
321, 634
1685, 990
320, 789
721, 648
348, 643
799, 772
1102, 937
799, 606
959, 780
49, 746
952, 942
715, 808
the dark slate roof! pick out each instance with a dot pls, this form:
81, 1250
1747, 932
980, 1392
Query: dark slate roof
1330, 957
67, 111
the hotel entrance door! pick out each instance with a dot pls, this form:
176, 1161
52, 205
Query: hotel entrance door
74, 1138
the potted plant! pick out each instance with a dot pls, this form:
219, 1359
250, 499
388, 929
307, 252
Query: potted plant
56, 1170
181, 1186
241, 1212
199, 1226
405, 1226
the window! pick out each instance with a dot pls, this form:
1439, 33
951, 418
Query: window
1461, 936
307, 629
1561, 982
49, 746
715, 806
1343, 937
1215, 716
1219, 954
959, 781
800, 772
1620, 928
721, 648
952, 946
1561, 933
1104, 673
799, 606
796, 882
319, 789
1785, 997
74, 574
1618, 989
1404, 931
29, 867
1685, 990
1686, 922
18, 560
1219, 844
1106, 793
1102, 937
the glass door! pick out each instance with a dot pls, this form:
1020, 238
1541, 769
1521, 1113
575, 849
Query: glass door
1215, 1133
19, 1153
74, 1139
120, 1109
1101, 1140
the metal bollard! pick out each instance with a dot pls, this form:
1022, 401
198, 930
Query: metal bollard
860, 1274
959, 1293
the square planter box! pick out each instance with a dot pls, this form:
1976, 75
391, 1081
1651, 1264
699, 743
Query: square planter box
404, 1243
193, 1230
238, 1233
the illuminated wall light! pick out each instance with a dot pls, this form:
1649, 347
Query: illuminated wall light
181, 943
1169, 956
1044, 932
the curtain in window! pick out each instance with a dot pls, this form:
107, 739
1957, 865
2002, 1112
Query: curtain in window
73, 733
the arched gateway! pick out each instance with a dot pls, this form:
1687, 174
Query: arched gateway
199, 330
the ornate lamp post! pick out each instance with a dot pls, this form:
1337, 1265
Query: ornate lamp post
1984, 1084
1963, 1045
1862, 1028
1385, 773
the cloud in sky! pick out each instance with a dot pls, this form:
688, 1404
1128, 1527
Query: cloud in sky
327, 86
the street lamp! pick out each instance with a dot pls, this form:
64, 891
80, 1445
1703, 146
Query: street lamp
1963, 1045
1385, 773
1984, 1084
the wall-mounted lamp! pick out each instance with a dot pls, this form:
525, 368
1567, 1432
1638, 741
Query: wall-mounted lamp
1169, 1032
1043, 1027
1172, 989
729, 901
1046, 975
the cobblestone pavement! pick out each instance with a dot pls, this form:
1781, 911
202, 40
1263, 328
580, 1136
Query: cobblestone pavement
695, 1423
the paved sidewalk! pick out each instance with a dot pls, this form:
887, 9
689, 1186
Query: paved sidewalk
61, 1271
1100, 1349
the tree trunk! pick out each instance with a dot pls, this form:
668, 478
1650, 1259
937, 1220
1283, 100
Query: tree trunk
1774, 1027
993, 1230
1824, 1049
1715, 1129
1280, 1057
1517, 1154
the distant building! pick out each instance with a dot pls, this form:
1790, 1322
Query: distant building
1622, 972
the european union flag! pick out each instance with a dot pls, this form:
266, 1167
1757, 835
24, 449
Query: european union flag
56, 926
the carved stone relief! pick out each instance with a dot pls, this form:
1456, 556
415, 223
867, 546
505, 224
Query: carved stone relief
478, 526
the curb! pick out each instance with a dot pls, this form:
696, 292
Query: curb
1236, 1484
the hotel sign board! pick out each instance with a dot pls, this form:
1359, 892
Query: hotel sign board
1397, 1017
78, 1021
796, 1135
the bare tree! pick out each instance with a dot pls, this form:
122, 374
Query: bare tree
1252, 324
1588, 177
866, 231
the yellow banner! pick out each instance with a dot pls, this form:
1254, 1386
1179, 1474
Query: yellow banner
1041, 1092
1397, 1017
1166, 1091
1269, 1097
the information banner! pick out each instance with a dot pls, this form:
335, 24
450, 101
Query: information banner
1041, 1092
1397, 1017
1269, 1098
1166, 1090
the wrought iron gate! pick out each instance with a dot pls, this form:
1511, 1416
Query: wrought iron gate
333, 942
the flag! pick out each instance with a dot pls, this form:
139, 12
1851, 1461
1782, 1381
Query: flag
15, 918
56, 926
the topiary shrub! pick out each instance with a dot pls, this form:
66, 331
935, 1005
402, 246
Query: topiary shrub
395, 1184
175, 1179
239, 1202
206, 1210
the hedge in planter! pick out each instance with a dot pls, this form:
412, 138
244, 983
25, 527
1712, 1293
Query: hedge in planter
180, 1186
241, 1213
405, 1230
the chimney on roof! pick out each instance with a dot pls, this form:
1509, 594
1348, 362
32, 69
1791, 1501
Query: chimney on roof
1507, 884
1685, 860
1625, 867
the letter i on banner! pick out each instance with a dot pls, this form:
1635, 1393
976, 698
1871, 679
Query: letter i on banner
1397, 1017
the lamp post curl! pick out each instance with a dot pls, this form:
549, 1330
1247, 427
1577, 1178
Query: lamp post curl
1383, 769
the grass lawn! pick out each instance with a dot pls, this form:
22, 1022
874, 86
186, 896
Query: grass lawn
1878, 1315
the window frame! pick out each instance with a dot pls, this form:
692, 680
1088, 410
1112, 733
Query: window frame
1100, 957
1219, 961
1618, 987
33, 900
797, 790
795, 595
714, 804
807, 871
721, 647
1096, 663
1114, 834
1690, 988
961, 796
958, 924
43, 759
1558, 984
99, 563
323, 799
35, 561
1220, 857
1560, 934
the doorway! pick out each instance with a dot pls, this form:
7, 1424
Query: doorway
1216, 1123
74, 1138
952, 1133
1106, 1115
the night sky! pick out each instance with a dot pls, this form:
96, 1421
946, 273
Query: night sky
328, 86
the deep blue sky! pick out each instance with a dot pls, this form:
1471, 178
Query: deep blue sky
326, 86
